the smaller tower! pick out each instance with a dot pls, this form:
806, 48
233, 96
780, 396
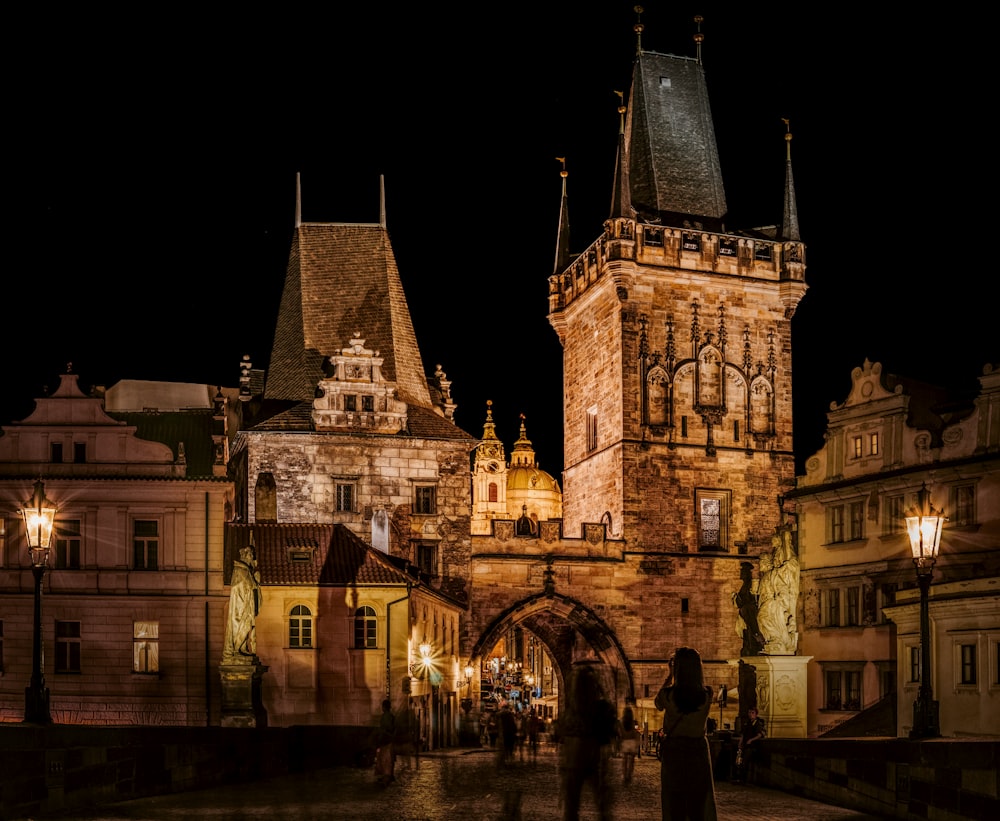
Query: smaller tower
489, 478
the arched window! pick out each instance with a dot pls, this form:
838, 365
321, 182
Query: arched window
300, 627
365, 628
493, 491
266, 498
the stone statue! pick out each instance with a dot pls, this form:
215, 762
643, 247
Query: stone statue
244, 604
746, 613
777, 596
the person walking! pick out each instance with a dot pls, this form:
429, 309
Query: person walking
534, 728
629, 744
687, 788
754, 729
385, 757
586, 732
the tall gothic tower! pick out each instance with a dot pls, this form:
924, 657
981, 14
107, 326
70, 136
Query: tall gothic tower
677, 359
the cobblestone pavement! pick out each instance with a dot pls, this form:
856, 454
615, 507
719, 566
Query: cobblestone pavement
453, 785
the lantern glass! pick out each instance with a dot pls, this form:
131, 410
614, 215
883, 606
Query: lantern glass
39, 515
425, 650
468, 672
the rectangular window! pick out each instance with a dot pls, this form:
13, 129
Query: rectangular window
968, 664
853, 614
425, 500
843, 685
79, 452
736, 430
67, 649
963, 506
592, 429
873, 443
712, 512
831, 607
852, 688
652, 236
145, 647
345, 497
836, 519
834, 697
1, 646
684, 427
368, 403
894, 521
858, 451
145, 544
427, 558
914, 664
857, 520
56, 452
887, 598
67, 539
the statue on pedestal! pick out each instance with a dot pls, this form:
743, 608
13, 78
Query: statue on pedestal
244, 604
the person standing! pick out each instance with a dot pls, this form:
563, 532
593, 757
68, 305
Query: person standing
534, 728
385, 757
687, 788
629, 744
753, 731
586, 732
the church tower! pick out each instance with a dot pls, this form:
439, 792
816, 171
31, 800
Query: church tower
676, 336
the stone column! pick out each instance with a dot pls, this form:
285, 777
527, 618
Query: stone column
781, 693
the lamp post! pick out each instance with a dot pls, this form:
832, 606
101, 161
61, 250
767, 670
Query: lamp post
923, 526
467, 701
39, 514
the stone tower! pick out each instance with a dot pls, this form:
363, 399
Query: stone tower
677, 359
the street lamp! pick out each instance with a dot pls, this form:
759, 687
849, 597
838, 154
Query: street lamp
466, 702
923, 526
39, 514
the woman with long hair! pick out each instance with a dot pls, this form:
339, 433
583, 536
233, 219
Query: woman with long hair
687, 788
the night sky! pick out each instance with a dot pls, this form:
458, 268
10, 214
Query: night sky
150, 184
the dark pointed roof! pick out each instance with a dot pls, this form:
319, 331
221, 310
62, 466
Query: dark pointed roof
674, 173
342, 280
562, 237
621, 201
790, 217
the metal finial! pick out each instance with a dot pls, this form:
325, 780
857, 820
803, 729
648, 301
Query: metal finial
638, 27
562, 173
698, 37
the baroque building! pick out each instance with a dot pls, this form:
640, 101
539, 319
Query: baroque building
887, 441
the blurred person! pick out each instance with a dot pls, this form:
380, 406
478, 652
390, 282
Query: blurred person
687, 788
629, 744
754, 729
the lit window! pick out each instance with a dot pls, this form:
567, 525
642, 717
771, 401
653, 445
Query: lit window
365, 628
873, 443
145, 544
425, 501
835, 515
145, 647
857, 510
968, 664
67, 649
67, 539
300, 627
858, 452
345, 497
712, 512
914, 664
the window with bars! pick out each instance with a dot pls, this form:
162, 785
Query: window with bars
145, 544
300, 627
145, 647
67, 647
365, 628
345, 497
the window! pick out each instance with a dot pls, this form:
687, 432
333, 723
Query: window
830, 607
762, 252
350, 402
684, 427
592, 429
858, 450
145, 646
56, 451
425, 499
915, 664
691, 242
145, 544
835, 518
842, 685
894, 521
857, 510
652, 236
967, 664
79, 452
345, 497
736, 430
365, 628
727, 247
963, 505
492, 492
1, 646
368, 403
67, 539
300, 627
67, 649
427, 557
853, 609
873, 443
887, 598
712, 514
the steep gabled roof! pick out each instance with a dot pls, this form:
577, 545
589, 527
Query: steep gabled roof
342, 280
673, 161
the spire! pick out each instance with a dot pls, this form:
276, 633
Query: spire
790, 218
381, 200
298, 199
523, 454
562, 237
638, 27
621, 203
489, 428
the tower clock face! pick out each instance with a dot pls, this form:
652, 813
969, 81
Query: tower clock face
492, 467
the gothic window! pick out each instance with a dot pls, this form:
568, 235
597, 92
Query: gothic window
365, 628
713, 519
266, 498
710, 379
760, 408
145, 646
300, 627
652, 236
656, 393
